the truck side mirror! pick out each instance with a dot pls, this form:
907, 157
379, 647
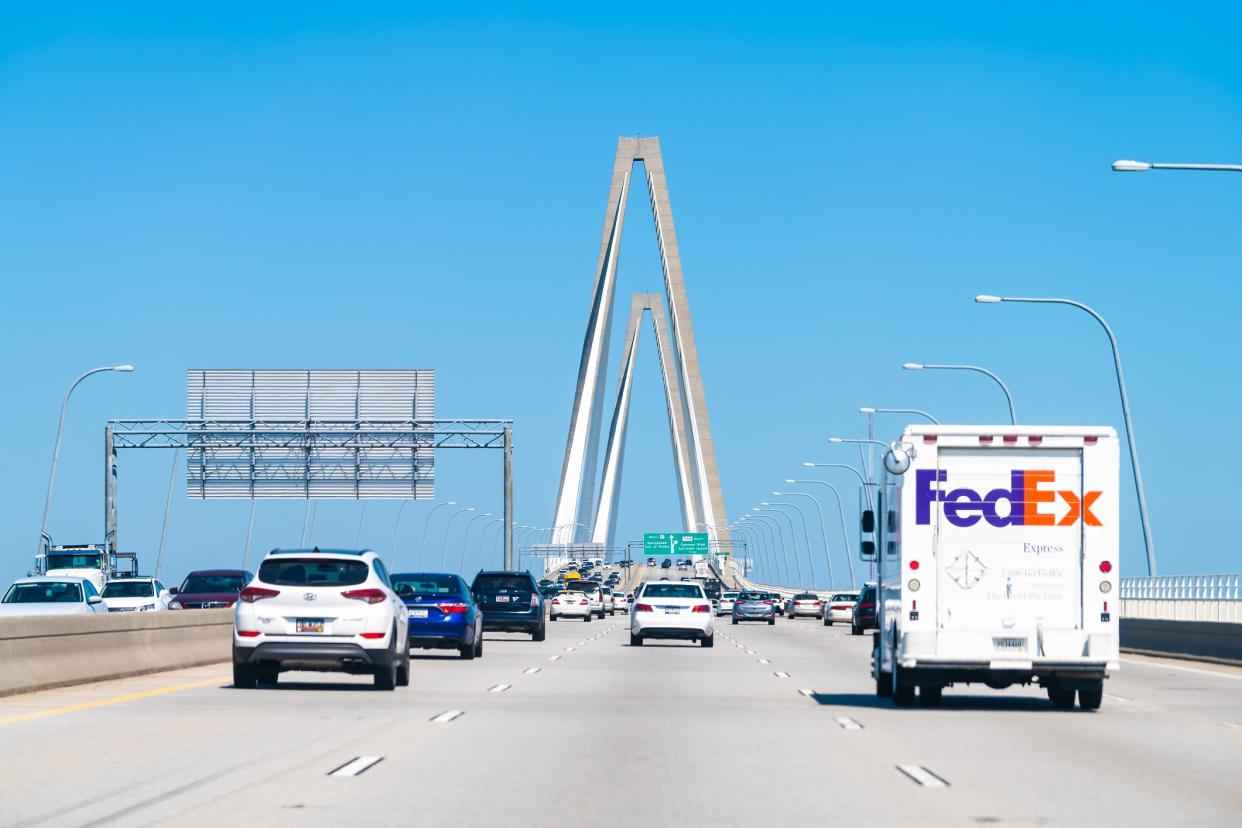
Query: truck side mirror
866, 550
868, 521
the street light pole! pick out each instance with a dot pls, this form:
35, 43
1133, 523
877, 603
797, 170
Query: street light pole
832, 581
1144, 166
60, 431
918, 366
806, 538
448, 531
793, 538
866, 409
776, 538
1150, 544
422, 549
845, 538
465, 543
392, 555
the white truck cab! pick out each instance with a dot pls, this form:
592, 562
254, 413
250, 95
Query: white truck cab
996, 551
92, 562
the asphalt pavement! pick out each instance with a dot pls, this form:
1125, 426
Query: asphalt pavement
774, 724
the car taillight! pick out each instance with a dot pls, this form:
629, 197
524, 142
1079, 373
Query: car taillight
702, 608
766, 603
643, 608
556, 601
584, 602
373, 635
453, 607
534, 600
371, 596
867, 605
252, 593
247, 633
738, 602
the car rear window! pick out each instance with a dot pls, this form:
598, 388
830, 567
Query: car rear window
284, 571
845, 596
806, 596
128, 589
753, 596
673, 591
495, 583
409, 585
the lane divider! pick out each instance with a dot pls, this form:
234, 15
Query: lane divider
145, 694
447, 716
848, 724
923, 776
765, 661
806, 691
781, 674
499, 688
554, 658
357, 766
530, 671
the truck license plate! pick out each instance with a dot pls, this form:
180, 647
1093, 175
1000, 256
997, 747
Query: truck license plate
1015, 645
310, 625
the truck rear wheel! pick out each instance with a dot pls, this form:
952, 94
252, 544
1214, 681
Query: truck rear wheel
1090, 698
1062, 698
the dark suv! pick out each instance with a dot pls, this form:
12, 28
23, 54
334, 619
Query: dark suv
510, 602
864, 612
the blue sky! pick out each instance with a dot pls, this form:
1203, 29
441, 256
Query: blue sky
292, 187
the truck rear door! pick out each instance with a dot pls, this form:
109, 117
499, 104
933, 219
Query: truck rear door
1008, 538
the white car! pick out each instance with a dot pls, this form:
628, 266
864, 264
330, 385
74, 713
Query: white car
725, 605
622, 601
327, 610
840, 607
672, 609
608, 599
135, 595
51, 596
592, 592
570, 603
805, 604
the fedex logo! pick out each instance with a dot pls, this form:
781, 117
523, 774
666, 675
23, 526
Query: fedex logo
1026, 497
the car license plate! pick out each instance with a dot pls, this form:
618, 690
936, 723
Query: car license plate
502, 599
671, 610
310, 625
418, 613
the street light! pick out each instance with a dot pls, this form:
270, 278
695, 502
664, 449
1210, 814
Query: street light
845, 537
832, 581
918, 366
465, 542
483, 540
806, 538
448, 531
793, 538
751, 537
44, 540
422, 549
869, 410
396, 529
1144, 166
775, 538
1150, 544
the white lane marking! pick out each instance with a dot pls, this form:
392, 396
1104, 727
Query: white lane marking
570, 649
554, 658
581, 643
848, 724
1116, 698
1233, 725
530, 671
751, 652
1162, 666
357, 765
781, 674
806, 691
499, 688
765, 661
923, 776
447, 716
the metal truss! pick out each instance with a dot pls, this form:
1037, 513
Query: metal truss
308, 434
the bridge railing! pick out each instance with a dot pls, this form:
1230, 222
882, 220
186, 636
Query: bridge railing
1183, 598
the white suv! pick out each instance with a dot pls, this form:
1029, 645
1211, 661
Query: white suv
672, 609
328, 610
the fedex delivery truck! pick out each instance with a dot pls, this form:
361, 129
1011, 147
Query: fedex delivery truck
996, 551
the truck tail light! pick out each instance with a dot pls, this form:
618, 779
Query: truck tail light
1009, 439
1035, 439
1106, 567
929, 438
986, 439
252, 593
1090, 440
371, 596
914, 564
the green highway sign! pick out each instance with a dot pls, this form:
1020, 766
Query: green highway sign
675, 543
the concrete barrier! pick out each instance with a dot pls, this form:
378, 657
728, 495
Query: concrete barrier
1204, 640
39, 652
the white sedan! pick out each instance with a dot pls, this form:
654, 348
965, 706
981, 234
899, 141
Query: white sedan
135, 595
622, 601
570, 604
668, 609
51, 596
725, 605
840, 607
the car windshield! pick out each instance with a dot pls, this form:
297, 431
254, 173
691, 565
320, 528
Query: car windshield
64, 561
329, 572
44, 592
212, 583
496, 583
419, 585
128, 589
753, 596
845, 596
673, 591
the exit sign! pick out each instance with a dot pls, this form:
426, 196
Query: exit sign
675, 543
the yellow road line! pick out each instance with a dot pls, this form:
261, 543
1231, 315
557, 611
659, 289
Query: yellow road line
73, 708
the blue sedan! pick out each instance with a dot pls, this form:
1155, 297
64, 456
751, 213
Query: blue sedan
443, 615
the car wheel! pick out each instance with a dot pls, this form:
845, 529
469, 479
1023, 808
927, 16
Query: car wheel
708, 641
735, 622
269, 675
539, 634
551, 617
386, 673
855, 629
466, 651
772, 620
403, 671
587, 618
243, 676
1090, 698
1061, 697
636, 640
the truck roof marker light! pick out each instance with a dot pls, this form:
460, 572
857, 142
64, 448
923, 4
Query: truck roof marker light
914, 564
929, 438
986, 439
1090, 439
1010, 439
1035, 439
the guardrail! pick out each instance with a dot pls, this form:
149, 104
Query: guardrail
1183, 598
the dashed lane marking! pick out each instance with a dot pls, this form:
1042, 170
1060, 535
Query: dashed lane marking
765, 661
499, 688
848, 724
570, 649
751, 652
554, 658
530, 671
357, 766
781, 674
806, 691
447, 716
1116, 698
923, 776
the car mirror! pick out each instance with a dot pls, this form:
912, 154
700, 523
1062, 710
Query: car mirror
174, 591
94, 599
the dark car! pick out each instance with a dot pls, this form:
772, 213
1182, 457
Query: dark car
754, 606
510, 602
210, 589
443, 615
864, 612
551, 590
667, 564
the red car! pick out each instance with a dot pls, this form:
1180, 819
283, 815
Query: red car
210, 589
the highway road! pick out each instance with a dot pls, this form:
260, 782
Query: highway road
774, 724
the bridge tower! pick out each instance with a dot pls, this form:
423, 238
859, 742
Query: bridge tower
582, 510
